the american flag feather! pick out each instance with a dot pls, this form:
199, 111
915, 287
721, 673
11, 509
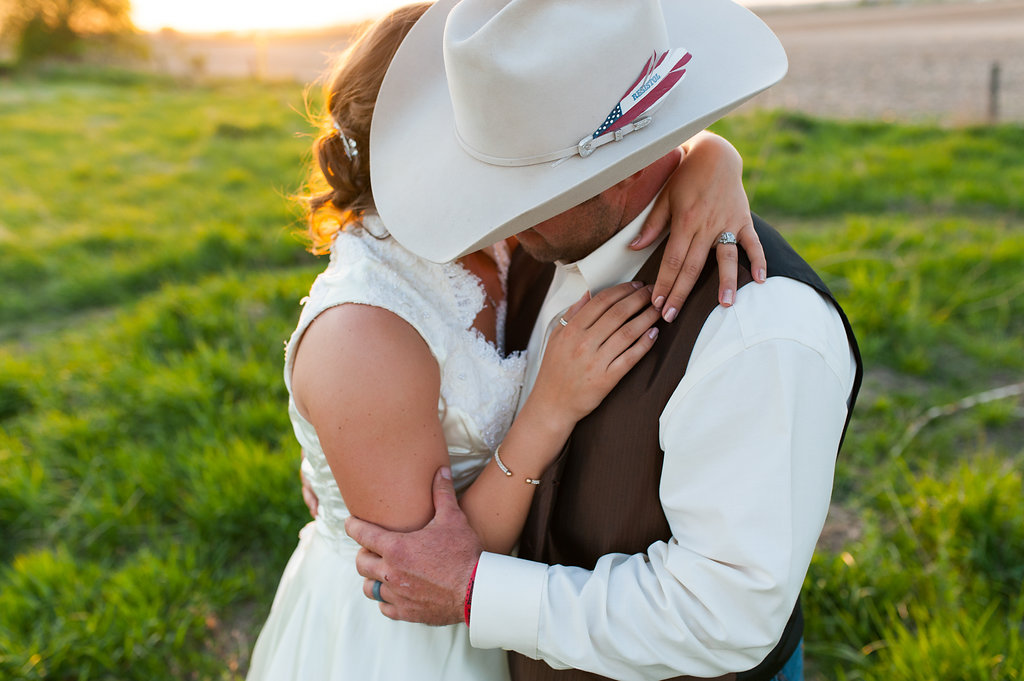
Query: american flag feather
658, 77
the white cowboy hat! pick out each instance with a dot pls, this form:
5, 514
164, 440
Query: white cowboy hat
494, 114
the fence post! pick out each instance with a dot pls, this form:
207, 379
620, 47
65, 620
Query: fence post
993, 93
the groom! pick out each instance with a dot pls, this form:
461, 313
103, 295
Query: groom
672, 535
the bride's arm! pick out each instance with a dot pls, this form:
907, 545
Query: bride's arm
369, 385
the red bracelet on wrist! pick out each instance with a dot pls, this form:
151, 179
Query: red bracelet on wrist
469, 593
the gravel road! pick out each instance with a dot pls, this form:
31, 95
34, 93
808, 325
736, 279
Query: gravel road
912, 62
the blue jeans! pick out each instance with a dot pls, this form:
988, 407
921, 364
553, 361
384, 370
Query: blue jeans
793, 670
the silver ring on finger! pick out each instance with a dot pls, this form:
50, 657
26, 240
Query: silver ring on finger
727, 238
561, 320
377, 584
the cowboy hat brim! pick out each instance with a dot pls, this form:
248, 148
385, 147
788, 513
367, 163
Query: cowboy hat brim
441, 203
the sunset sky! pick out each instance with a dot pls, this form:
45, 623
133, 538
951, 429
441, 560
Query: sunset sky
222, 15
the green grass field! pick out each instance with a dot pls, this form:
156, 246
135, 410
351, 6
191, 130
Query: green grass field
149, 274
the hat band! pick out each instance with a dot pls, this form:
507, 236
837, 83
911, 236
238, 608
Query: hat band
633, 112
514, 162
585, 148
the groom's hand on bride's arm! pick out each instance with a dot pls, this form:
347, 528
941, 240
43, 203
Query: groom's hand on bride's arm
425, 573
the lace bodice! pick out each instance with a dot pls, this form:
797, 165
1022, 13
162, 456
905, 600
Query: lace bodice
479, 387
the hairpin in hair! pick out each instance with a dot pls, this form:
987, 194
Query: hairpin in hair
347, 143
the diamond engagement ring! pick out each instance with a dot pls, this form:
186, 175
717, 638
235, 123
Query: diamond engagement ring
727, 238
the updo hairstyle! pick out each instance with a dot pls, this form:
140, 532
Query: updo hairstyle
339, 191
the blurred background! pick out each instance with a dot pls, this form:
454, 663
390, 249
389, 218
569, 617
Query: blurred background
151, 264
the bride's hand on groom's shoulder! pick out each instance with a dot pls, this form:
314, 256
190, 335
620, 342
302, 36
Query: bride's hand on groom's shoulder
703, 199
424, 574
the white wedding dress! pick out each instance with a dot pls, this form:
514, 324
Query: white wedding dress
321, 627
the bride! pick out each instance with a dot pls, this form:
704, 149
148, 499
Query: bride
397, 368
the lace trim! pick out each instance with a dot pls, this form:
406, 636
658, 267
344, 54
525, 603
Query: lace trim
497, 394
441, 302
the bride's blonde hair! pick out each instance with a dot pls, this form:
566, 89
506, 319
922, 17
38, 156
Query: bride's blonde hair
338, 187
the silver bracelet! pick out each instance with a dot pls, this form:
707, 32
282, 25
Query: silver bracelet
505, 469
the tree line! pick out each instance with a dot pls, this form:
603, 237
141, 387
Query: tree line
36, 29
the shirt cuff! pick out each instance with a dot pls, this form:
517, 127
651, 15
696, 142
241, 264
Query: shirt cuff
506, 603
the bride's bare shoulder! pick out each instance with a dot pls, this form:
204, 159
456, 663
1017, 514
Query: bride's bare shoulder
351, 351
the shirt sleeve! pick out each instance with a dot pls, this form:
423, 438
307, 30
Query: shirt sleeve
750, 438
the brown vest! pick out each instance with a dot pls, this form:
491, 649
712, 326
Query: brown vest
593, 500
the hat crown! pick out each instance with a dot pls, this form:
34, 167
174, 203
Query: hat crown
530, 77
441, 199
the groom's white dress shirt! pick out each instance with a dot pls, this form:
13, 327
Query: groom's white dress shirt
750, 438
